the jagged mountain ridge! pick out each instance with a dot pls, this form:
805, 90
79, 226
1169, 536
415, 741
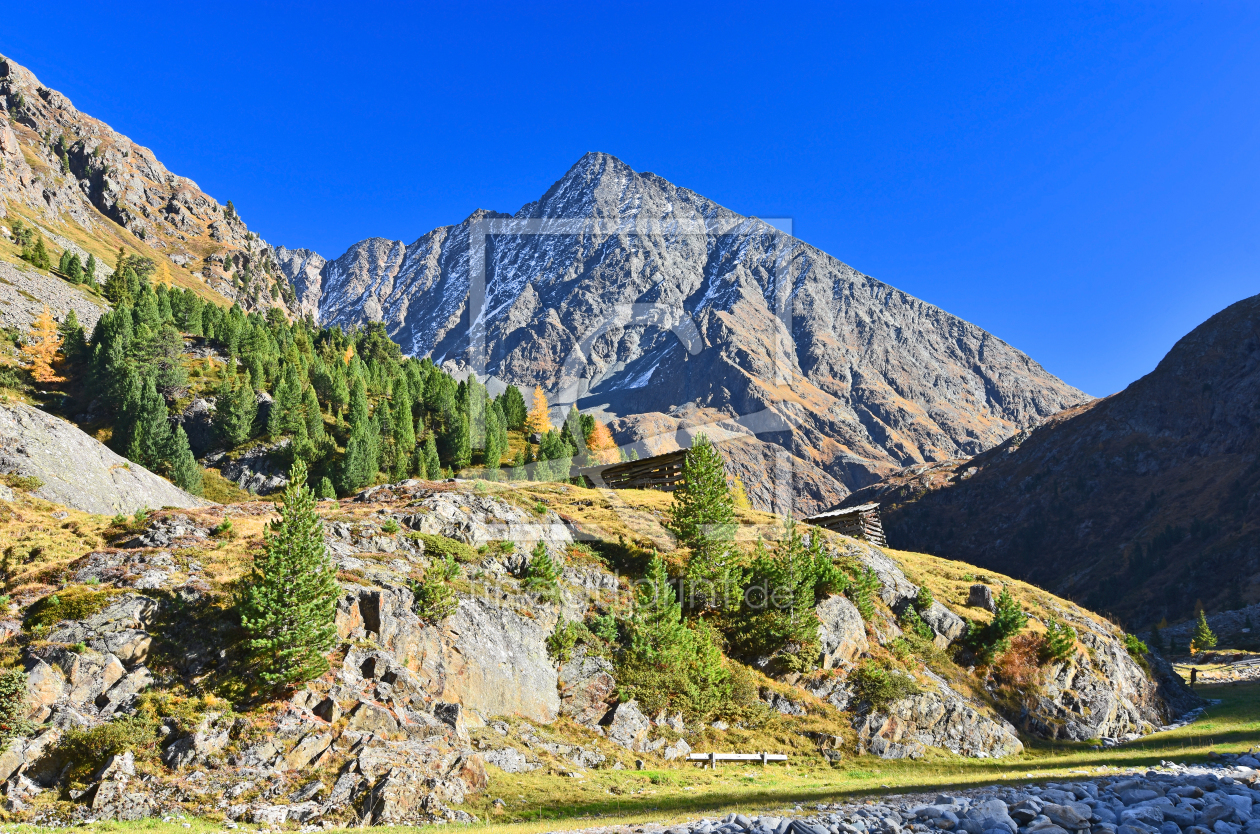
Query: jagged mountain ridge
1144, 503
852, 379
87, 188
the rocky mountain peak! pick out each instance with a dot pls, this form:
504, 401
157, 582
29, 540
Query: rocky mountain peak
659, 297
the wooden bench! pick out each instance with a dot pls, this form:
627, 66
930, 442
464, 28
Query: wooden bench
713, 758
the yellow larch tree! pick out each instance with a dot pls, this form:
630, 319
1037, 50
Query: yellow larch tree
41, 348
539, 417
601, 444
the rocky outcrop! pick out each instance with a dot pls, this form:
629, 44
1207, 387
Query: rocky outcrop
77, 470
587, 687
841, 631
940, 718
24, 291
1142, 504
259, 470
485, 656
58, 163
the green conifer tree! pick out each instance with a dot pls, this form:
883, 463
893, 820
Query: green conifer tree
290, 600
1203, 638
183, 468
236, 407
702, 516
432, 464
151, 439
541, 575
326, 488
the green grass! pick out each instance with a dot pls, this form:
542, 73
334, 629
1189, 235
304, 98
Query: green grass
542, 801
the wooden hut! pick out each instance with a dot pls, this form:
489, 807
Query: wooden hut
861, 522
663, 472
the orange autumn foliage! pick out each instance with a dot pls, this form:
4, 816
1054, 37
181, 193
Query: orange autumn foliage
40, 350
601, 444
349, 355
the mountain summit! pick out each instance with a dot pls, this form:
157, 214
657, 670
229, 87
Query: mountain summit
627, 294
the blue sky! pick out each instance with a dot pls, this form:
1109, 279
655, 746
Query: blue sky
1080, 179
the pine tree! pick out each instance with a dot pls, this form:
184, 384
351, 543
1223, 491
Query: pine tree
89, 271
702, 516
41, 347
1203, 638
151, 439
539, 419
541, 575
664, 664
236, 407
359, 414
74, 269
512, 401
1059, 643
184, 471
454, 441
326, 489
494, 448
312, 415
73, 343
289, 603
432, 465
63, 265
359, 464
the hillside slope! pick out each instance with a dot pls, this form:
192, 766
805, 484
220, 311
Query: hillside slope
37, 445
419, 714
630, 295
1143, 503
88, 189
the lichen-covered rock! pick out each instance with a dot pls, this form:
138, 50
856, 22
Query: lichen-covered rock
945, 624
586, 688
485, 657
627, 726
77, 470
940, 718
841, 631
479, 519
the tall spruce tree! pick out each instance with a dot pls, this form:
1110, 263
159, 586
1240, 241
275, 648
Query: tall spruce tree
702, 516
1203, 638
236, 407
183, 468
432, 464
151, 439
290, 601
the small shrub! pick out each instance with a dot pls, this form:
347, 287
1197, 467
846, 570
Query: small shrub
1135, 647
325, 489
390, 526
26, 483
1059, 642
13, 706
118, 520
441, 547
88, 750
435, 600
540, 508
912, 623
1018, 669
923, 600
141, 516
223, 530
561, 642
880, 686
861, 591
541, 575
73, 603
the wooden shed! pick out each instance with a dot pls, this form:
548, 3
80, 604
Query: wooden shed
663, 472
861, 522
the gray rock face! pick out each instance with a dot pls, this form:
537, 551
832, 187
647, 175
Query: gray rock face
257, 469
981, 596
77, 470
628, 726
24, 291
477, 520
586, 687
109, 176
939, 718
842, 632
717, 291
485, 657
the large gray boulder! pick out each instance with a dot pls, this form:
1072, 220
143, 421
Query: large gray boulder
76, 470
841, 631
936, 718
